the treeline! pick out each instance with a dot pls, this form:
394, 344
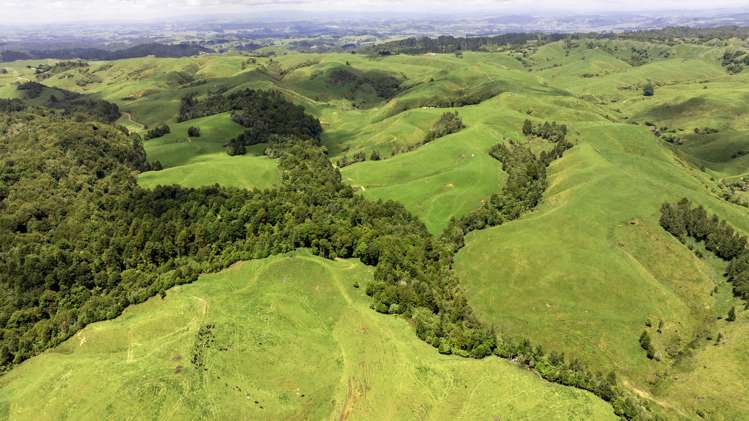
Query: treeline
525, 184
264, 114
684, 221
448, 123
71, 103
44, 71
142, 50
360, 156
550, 131
463, 98
97, 242
522, 191
11, 105
451, 44
681, 33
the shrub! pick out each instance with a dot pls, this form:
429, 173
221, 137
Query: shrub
648, 89
193, 131
157, 132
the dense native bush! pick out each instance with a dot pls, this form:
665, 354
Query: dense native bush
684, 221
262, 113
72, 103
384, 86
552, 132
98, 242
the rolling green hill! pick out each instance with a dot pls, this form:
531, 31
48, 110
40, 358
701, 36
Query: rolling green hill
586, 273
289, 337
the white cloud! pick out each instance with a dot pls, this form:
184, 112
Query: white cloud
71, 10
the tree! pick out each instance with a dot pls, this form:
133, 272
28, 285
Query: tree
527, 127
731, 314
648, 89
193, 131
647, 344
375, 156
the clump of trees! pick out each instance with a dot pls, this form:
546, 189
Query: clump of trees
705, 130
345, 161
685, 221
72, 103
734, 61
384, 85
193, 131
204, 340
647, 344
158, 131
360, 156
550, 131
263, 114
44, 71
448, 123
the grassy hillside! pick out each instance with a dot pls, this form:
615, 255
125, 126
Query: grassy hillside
199, 161
289, 337
587, 270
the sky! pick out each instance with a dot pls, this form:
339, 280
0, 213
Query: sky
54, 11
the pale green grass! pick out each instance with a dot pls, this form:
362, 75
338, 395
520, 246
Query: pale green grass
294, 339
201, 161
247, 171
575, 277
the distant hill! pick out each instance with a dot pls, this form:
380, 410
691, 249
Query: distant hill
142, 50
